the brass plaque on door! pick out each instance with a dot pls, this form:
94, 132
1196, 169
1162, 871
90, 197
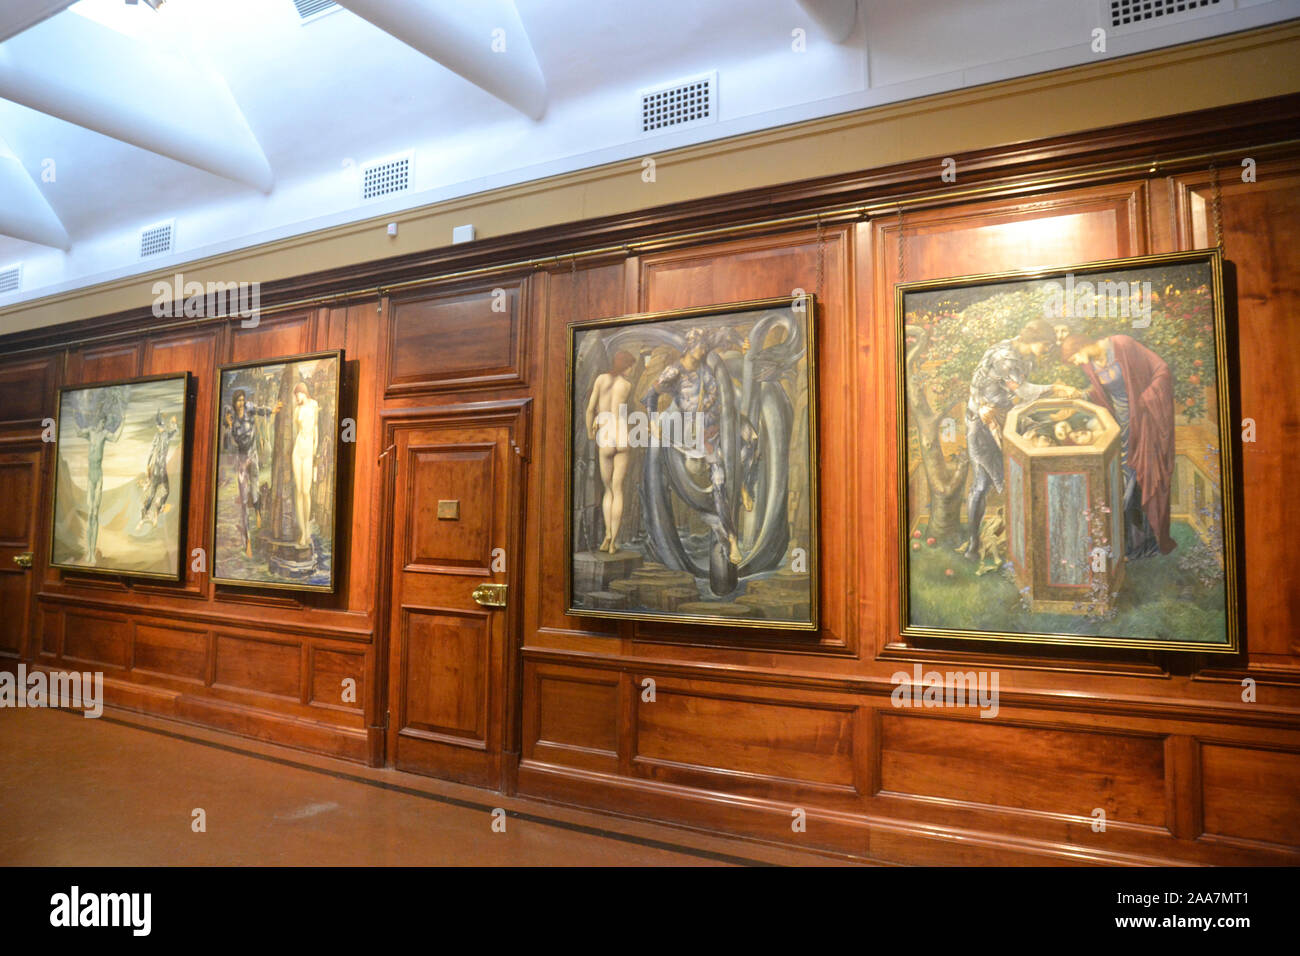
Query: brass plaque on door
449, 510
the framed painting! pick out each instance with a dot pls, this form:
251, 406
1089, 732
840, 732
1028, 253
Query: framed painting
119, 488
691, 444
1065, 456
275, 475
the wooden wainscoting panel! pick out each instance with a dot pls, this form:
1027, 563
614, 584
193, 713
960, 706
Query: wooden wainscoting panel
466, 338
92, 639
191, 351
49, 624
25, 390
574, 718
280, 336
1096, 222
329, 669
745, 743
1251, 795
272, 668
1261, 240
755, 268
175, 652
1049, 770
107, 363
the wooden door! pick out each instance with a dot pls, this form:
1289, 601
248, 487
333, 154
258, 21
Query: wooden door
455, 513
20, 492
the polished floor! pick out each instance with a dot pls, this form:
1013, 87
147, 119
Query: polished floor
123, 790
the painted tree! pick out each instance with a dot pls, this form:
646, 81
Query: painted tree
927, 408
947, 335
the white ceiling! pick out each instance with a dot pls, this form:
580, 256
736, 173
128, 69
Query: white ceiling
244, 85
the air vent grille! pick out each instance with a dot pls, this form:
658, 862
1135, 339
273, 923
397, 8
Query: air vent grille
1125, 13
155, 240
313, 9
11, 279
386, 177
690, 101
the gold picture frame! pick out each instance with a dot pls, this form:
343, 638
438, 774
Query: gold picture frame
243, 540
1078, 468
135, 470
733, 476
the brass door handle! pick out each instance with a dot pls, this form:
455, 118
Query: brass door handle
490, 595
23, 560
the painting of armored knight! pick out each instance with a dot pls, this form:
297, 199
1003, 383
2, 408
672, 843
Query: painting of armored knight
1065, 456
276, 473
120, 487
691, 465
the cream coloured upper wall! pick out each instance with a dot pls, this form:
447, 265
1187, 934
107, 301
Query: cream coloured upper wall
1212, 73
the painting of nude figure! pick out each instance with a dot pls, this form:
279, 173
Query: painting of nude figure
119, 493
691, 442
276, 473
1066, 450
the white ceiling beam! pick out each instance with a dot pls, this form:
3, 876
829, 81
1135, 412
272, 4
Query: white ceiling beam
462, 37
25, 214
835, 17
19, 15
89, 75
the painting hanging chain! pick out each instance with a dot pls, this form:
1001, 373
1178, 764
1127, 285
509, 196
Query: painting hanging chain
902, 238
821, 258
573, 289
586, 292
1217, 205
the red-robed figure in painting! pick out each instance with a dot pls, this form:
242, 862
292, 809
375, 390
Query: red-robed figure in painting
1135, 385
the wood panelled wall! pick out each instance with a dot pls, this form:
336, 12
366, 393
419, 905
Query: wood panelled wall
747, 728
